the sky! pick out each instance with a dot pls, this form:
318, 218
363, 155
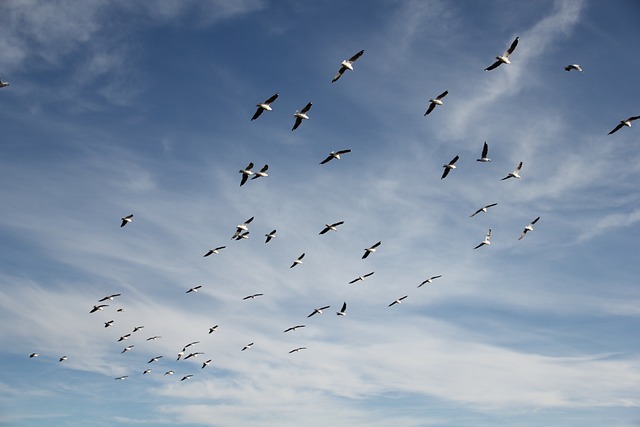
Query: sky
117, 107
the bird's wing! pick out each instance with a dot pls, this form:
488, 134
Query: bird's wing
339, 74
257, 113
445, 173
301, 256
475, 213
270, 100
344, 307
343, 151
535, 220
243, 180
493, 66
368, 274
306, 108
356, 56
630, 119
615, 129
511, 48
335, 224
430, 109
443, 94
376, 245
491, 205
485, 150
519, 167
489, 233
329, 157
297, 123
454, 160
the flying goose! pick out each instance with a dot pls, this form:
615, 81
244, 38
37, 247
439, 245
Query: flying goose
195, 354
318, 310
266, 105
269, 236
246, 173
332, 227
343, 310
252, 296
126, 220
154, 359
205, 363
186, 377
347, 64
262, 173
127, 348
528, 228
482, 209
124, 377
295, 350
98, 308
3, 84
301, 115
429, 280
360, 278
436, 101
297, 261
108, 323
62, 359
485, 153
153, 338
247, 346
573, 67
32, 355
624, 123
514, 174
214, 251
124, 337
486, 240
449, 166
293, 328
504, 59
137, 328
334, 155
370, 250
242, 227
398, 301
213, 329
109, 297
194, 289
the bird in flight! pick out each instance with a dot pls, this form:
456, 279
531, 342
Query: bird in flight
262, 173
343, 310
573, 67
214, 251
186, 377
126, 220
485, 241
194, 289
213, 329
127, 348
252, 296
528, 228
266, 105
293, 328
515, 173
504, 59
318, 310
436, 101
332, 227
269, 236
622, 123
370, 250
108, 323
205, 363
398, 301
241, 227
334, 155
360, 278
124, 337
485, 152
98, 308
195, 354
247, 346
347, 64
301, 115
153, 338
482, 209
297, 261
295, 350
109, 297
154, 359
246, 173
124, 377
429, 280
62, 359
3, 84
449, 166
32, 355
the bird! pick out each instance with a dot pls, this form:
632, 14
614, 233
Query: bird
262, 173
124, 377
127, 348
398, 301
247, 346
124, 337
449, 166
205, 363
429, 280
269, 236
528, 228
109, 297
121, 310
169, 373
137, 328
3, 84
108, 323
333, 227
301, 115
360, 278
370, 250
485, 241
266, 105
153, 338
180, 354
214, 251
246, 173
485, 152
293, 328
295, 350
343, 310
242, 227
98, 308
146, 371
297, 261
482, 209
194, 289
573, 67
504, 59
32, 355
154, 359
241, 236
190, 344
195, 354
624, 123
126, 220
436, 101
213, 329
252, 296
334, 155
347, 64
62, 359
318, 310
514, 174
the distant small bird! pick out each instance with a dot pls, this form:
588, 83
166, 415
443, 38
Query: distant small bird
301, 115
269, 236
98, 308
573, 67
295, 350
347, 64
449, 166
318, 310
485, 241
436, 101
624, 123
153, 338
528, 228
194, 289
241, 236
109, 297
252, 296
62, 359
482, 209
205, 363
343, 310
32, 355
169, 373
398, 301
146, 371
124, 337
154, 359
190, 344
213, 329
180, 354
485, 152
126, 220
504, 59
195, 354
332, 227
262, 173
137, 328
265, 106
247, 346
360, 278
515, 173
121, 310
370, 250
214, 251
127, 348
108, 323
334, 155
293, 328
429, 280
298, 261
246, 173
242, 227
124, 377
3, 84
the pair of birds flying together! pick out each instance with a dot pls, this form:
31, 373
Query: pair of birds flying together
247, 172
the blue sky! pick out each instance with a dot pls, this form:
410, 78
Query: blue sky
118, 107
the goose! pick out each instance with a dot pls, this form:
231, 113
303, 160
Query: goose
318, 310
334, 155
301, 115
205, 363
169, 373
429, 280
124, 377
266, 105
241, 236
449, 166
297, 261
514, 174
486, 240
195, 354
146, 371
528, 228
252, 296
109, 297
194, 289
262, 173
62, 359
154, 359
370, 250
121, 310
573, 67
347, 64
124, 337
624, 123
360, 278
482, 209
180, 354
293, 328
269, 236
153, 338
214, 251
127, 348
343, 310
212, 329
295, 350
108, 323
126, 220
99, 307
32, 355
485, 152
3, 84
190, 344
332, 227
436, 101
504, 59
398, 301
242, 227
246, 173
137, 328
246, 347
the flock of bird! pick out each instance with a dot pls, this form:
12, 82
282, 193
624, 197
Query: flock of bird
242, 230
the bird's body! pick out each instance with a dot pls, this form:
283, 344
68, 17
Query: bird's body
504, 59
436, 101
297, 261
347, 64
528, 228
622, 123
485, 153
334, 155
449, 166
370, 250
318, 310
515, 173
126, 220
214, 251
264, 106
331, 227
301, 115
485, 241
482, 209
